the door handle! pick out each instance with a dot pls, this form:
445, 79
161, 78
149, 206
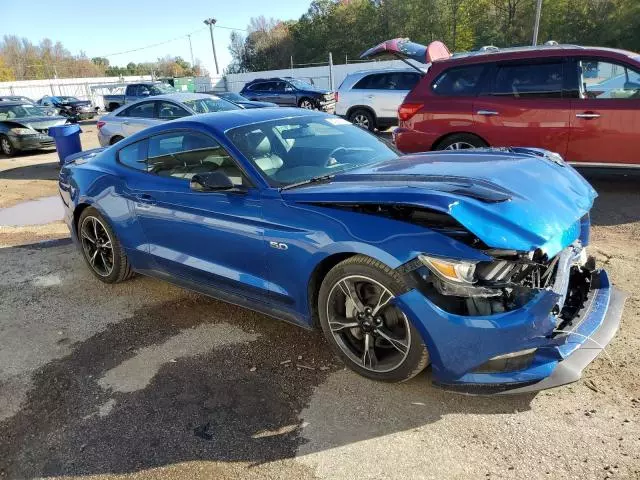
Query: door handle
369, 96
126, 122
487, 112
588, 115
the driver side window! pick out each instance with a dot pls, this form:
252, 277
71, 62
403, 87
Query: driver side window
182, 155
606, 80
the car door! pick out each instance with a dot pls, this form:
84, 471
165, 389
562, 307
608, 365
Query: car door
286, 93
605, 115
523, 103
261, 91
384, 92
138, 117
213, 238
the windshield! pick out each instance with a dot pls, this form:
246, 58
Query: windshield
293, 150
162, 88
208, 105
67, 99
302, 85
9, 112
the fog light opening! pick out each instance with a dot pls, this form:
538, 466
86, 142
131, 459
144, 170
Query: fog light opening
509, 362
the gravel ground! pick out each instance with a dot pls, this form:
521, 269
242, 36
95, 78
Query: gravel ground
146, 380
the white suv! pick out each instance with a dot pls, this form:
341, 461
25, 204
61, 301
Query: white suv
370, 98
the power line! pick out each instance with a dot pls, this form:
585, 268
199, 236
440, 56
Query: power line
168, 41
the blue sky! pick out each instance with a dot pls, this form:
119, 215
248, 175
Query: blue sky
103, 27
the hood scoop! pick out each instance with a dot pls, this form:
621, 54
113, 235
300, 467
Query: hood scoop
479, 189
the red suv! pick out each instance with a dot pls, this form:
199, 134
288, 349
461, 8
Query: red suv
581, 102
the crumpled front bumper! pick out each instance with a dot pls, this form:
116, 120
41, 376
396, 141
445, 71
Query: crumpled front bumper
32, 142
459, 345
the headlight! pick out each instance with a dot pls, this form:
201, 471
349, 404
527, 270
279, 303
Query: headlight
23, 131
458, 271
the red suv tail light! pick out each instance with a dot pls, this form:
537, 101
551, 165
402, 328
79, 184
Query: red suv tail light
408, 110
100, 125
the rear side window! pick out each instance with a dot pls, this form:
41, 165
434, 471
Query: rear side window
542, 80
185, 154
140, 110
459, 81
134, 155
388, 81
376, 81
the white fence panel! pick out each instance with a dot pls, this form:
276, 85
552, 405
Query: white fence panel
319, 75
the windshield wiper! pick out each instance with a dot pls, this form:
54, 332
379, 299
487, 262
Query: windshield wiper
318, 179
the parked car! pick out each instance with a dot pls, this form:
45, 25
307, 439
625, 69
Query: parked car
136, 91
241, 101
24, 126
137, 116
479, 269
581, 102
27, 100
292, 92
70, 107
370, 98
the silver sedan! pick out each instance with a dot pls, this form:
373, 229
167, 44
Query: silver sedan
133, 117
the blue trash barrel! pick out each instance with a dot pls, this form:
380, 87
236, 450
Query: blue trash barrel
67, 138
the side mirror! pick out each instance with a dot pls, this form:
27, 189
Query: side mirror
211, 182
145, 93
288, 89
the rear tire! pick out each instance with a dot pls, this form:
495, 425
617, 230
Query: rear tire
461, 141
364, 326
7, 147
363, 119
115, 139
101, 249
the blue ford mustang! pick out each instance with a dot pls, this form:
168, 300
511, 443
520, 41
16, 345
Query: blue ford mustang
474, 262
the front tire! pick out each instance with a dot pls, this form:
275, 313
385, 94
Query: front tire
307, 104
101, 249
363, 325
363, 119
7, 147
115, 139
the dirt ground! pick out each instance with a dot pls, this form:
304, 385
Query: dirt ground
148, 381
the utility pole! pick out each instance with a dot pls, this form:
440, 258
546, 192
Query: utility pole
211, 22
536, 26
191, 50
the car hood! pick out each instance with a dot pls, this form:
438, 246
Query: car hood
317, 90
509, 200
255, 104
77, 103
38, 123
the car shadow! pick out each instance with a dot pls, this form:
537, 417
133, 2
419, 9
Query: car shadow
618, 197
255, 401
40, 171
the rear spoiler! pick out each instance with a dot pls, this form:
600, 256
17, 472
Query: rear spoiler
83, 157
404, 49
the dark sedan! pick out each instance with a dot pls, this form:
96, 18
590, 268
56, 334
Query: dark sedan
25, 127
70, 107
241, 101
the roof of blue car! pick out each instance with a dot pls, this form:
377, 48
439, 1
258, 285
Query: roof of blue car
222, 121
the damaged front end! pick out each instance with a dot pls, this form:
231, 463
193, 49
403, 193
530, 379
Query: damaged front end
514, 323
